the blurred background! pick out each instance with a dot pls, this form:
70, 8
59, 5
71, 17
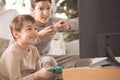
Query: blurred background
66, 9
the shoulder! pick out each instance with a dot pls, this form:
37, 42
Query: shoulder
54, 19
11, 49
11, 53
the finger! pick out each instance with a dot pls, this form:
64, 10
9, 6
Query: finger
60, 26
49, 27
49, 68
46, 66
49, 74
50, 31
52, 26
61, 21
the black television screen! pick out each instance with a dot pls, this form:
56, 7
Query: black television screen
99, 26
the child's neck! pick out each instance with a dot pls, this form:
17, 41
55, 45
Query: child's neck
23, 46
40, 24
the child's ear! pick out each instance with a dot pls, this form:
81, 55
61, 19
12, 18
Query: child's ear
32, 10
16, 34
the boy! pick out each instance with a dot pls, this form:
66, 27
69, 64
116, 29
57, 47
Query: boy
20, 61
41, 11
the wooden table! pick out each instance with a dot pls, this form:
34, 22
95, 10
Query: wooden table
109, 73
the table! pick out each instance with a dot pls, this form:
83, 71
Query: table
85, 73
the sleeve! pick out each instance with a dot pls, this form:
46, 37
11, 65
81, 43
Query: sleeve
74, 25
12, 63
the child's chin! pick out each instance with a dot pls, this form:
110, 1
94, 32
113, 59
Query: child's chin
33, 43
45, 21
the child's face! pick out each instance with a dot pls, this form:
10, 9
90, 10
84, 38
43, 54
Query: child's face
28, 34
42, 11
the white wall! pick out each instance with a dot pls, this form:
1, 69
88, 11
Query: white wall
5, 20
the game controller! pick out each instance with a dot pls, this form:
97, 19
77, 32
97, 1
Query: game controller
58, 70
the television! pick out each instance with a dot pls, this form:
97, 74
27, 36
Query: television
99, 28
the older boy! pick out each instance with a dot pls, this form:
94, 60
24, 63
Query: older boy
41, 10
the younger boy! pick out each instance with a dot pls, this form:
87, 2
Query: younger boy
20, 61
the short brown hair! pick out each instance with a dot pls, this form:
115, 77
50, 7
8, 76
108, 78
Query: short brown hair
17, 22
33, 2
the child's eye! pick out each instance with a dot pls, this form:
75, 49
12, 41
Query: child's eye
29, 28
41, 8
48, 8
35, 28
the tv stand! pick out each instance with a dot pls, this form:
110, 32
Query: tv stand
110, 61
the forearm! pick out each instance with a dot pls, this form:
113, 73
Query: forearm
35, 76
73, 23
29, 77
40, 35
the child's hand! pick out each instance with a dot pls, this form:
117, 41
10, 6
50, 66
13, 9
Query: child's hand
46, 32
61, 25
44, 73
59, 76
